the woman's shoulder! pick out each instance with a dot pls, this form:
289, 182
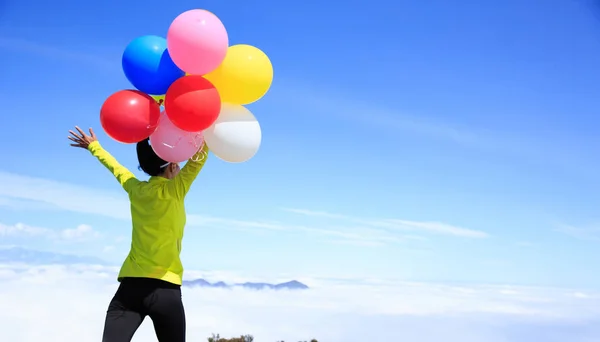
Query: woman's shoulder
146, 190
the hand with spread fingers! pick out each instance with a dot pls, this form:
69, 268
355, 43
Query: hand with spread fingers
82, 140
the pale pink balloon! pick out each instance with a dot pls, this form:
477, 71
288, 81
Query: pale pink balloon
197, 41
173, 144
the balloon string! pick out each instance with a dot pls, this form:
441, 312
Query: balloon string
178, 141
194, 140
199, 156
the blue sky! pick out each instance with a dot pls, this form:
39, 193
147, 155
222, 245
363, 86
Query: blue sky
438, 141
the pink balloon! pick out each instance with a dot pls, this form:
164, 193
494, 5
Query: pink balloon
197, 41
173, 144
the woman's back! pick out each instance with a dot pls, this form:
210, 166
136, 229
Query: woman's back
158, 217
158, 220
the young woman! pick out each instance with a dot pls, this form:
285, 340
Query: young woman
150, 278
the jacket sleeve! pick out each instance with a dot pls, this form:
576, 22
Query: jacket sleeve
121, 173
180, 185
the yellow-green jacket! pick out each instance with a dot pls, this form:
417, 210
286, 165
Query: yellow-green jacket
158, 217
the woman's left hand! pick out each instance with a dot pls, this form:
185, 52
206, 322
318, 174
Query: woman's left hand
82, 140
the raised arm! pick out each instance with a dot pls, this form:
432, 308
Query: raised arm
180, 185
89, 142
125, 177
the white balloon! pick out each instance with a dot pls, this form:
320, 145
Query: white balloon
236, 136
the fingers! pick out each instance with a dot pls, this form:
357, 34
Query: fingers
81, 140
80, 131
76, 140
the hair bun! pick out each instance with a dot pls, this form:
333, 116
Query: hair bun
142, 147
149, 162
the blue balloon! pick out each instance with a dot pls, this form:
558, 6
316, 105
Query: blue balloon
148, 65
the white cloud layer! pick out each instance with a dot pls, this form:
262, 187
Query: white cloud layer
61, 303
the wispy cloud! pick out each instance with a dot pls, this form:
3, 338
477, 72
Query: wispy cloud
198, 220
338, 105
18, 190
56, 52
80, 233
563, 149
108, 249
64, 196
21, 230
316, 213
436, 227
396, 224
590, 233
351, 235
525, 244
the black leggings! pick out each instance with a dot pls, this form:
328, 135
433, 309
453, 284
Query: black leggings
137, 298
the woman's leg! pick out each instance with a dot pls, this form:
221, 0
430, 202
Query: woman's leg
167, 313
124, 316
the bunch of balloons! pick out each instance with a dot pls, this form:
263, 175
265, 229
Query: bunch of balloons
190, 87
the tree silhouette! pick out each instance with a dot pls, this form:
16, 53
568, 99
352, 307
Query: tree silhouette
243, 338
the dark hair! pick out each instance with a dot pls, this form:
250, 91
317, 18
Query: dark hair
150, 163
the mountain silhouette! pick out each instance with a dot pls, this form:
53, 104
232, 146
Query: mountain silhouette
20, 255
290, 285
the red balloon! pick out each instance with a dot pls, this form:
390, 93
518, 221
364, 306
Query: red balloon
129, 116
192, 103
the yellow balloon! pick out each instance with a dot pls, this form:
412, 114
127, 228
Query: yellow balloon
159, 98
244, 76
